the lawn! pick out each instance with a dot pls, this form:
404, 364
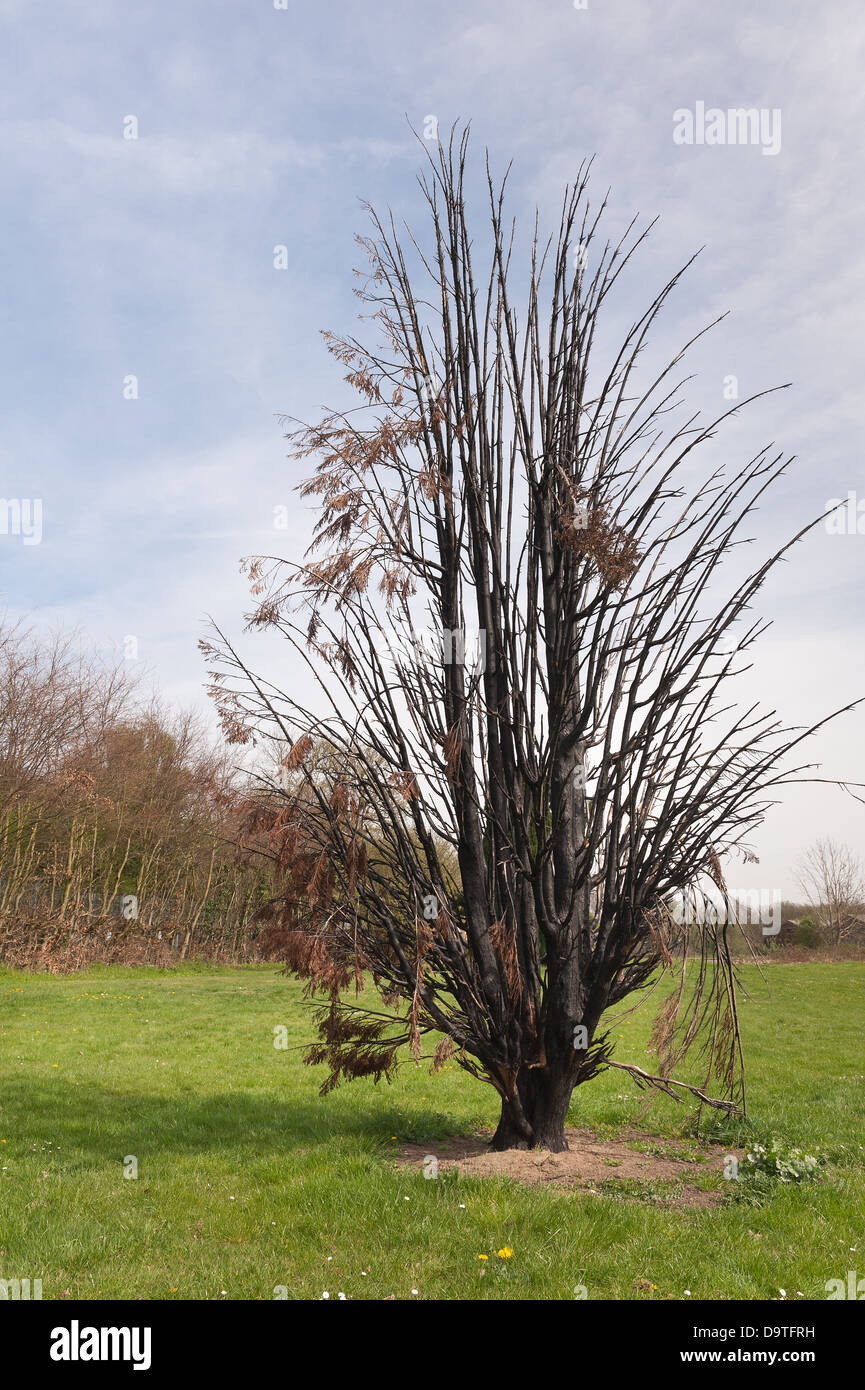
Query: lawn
249, 1183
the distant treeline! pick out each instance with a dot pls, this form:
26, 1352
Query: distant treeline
127, 832
120, 821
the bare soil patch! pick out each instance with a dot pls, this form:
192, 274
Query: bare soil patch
671, 1167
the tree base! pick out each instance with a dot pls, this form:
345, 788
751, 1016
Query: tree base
540, 1124
554, 1142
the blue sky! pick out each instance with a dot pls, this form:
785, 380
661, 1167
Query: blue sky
260, 126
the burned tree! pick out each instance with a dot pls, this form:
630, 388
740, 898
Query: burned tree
510, 611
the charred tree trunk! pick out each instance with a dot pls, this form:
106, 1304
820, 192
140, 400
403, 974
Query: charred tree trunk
536, 1118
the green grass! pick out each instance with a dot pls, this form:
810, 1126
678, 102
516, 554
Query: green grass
248, 1180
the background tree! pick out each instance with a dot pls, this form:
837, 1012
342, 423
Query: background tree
586, 763
54, 699
832, 877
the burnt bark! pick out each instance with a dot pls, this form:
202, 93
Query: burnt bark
535, 1118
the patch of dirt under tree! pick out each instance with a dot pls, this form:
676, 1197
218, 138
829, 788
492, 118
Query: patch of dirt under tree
633, 1157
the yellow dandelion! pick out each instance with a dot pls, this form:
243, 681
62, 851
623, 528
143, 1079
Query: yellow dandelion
505, 1253
480, 1257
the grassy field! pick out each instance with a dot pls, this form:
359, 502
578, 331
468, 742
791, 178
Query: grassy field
248, 1181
